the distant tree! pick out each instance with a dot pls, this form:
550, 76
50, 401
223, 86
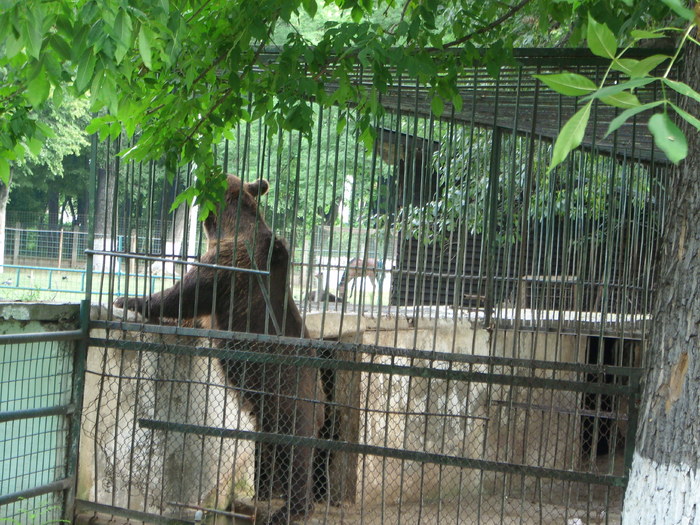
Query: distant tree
49, 179
53, 178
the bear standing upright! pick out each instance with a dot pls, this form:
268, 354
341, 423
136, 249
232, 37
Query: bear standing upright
285, 399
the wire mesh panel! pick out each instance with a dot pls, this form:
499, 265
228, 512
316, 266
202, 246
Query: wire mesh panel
499, 307
408, 436
38, 412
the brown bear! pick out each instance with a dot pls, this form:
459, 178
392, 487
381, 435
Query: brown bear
284, 399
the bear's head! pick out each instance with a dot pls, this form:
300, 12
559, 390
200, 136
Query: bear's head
238, 214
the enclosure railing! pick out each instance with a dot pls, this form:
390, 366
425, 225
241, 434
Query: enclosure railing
42, 373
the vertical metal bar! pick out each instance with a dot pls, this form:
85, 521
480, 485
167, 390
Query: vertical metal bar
75, 420
90, 216
490, 227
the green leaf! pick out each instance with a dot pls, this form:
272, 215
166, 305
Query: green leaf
34, 145
639, 34
457, 102
188, 196
570, 136
437, 105
690, 119
310, 7
622, 100
680, 9
619, 88
45, 130
668, 137
145, 47
98, 123
682, 88
13, 45
644, 66
4, 171
629, 113
33, 30
60, 46
57, 96
86, 68
624, 64
38, 89
601, 41
570, 84
340, 126
122, 35
367, 137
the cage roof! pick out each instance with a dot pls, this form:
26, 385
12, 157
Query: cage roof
516, 101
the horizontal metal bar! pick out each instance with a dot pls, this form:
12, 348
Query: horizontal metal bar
45, 268
42, 289
30, 413
379, 368
56, 486
38, 337
336, 346
176, 261
91, 506
213, 511
615, 416
373, 450
534, 56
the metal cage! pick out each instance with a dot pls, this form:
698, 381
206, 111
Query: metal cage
473, 323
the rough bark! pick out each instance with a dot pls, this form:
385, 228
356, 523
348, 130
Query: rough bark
664, 486
177, 244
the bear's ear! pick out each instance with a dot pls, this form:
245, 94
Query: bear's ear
257, 188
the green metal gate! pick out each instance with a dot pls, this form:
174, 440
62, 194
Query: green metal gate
42, 367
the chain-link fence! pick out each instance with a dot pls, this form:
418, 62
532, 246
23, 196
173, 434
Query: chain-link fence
406, 437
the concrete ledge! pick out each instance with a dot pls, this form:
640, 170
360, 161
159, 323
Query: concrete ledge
48, 312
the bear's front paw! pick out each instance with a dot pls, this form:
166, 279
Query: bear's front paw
132, 303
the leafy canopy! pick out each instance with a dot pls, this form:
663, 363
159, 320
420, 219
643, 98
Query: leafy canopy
602, 42
176, 75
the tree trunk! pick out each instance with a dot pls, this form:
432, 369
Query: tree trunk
53, 208
106, 185
180, 241
4, 197
664, 485
84, 198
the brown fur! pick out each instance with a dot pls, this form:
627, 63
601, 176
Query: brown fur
285, 399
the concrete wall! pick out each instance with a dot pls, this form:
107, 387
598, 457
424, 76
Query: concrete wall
126, 465
474, 420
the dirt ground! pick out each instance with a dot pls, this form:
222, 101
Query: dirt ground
557, 503
506, 511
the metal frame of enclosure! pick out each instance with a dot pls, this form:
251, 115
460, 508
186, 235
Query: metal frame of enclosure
42, 372
477, 322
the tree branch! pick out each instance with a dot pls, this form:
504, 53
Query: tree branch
486, 28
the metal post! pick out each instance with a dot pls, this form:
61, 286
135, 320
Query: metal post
79, 367
60, 248
18, 235
490, 231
